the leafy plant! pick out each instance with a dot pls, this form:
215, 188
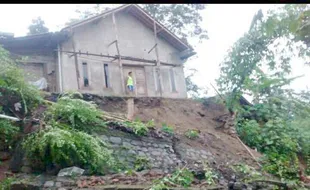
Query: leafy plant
167, 129
72, 95
66, 148
181, 177
7, 134
12, 80
141, 163
192, 134
6, 183
138, 127
80, 114
210, 175
248, 173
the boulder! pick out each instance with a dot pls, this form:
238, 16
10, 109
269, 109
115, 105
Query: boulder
71, 171
24, 186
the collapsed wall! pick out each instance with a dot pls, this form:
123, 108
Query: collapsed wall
163, 154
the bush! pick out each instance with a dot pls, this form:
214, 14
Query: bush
6, 183
167, 129
12, 79
67, 148
192, 134
79, 114
278, 141
182, 178
138, 127
8, 133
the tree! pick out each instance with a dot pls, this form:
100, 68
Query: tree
37, 27
279, 126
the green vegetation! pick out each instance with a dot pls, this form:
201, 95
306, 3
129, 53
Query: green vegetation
65, 148
6, 183
142, 163
138, 127
277, 123
78, 113
167, 129
192, 134
210, 175
246, 172
8, 133
181, 177
12, 84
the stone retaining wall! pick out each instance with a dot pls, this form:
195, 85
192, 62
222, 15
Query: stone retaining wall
164, 154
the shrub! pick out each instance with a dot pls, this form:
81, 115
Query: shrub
192, 134
138, 127
66, 148
80, 114
167, 129
210, 175
278, 141
142, 163
12, 79
182, 178
7, 134
6, 183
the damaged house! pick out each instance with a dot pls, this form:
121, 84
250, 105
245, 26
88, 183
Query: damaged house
95, 55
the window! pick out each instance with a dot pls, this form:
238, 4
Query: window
85, 75
106, 75
173, 88
157, 82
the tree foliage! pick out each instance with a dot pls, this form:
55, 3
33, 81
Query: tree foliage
37, 27
66, 148
184, 20
259, 64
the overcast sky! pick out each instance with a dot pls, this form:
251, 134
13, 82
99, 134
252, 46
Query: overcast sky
225, 24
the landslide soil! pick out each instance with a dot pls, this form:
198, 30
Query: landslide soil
184, 114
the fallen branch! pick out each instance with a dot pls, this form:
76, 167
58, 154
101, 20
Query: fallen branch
9, 117
248, 151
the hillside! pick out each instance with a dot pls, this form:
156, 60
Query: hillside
153, 155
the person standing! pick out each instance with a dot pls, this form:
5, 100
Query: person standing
130, 82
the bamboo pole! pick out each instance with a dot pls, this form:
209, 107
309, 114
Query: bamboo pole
118, 52
157, 61
9, 117
75, 61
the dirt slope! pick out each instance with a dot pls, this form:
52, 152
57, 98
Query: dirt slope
184, 115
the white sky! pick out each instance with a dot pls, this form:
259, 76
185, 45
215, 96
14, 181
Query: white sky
225, 23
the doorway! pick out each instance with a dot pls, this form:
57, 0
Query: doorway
138, 76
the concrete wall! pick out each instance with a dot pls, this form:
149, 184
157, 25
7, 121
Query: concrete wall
135, 40
38, 65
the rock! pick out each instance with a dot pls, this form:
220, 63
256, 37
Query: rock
49, 184
24, 186
126, 144
137, 143
72, 171
58, 184
66, 181
156, 153
116, 140
26, 169
239, 186
141, 153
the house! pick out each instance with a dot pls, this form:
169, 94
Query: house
95, 55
